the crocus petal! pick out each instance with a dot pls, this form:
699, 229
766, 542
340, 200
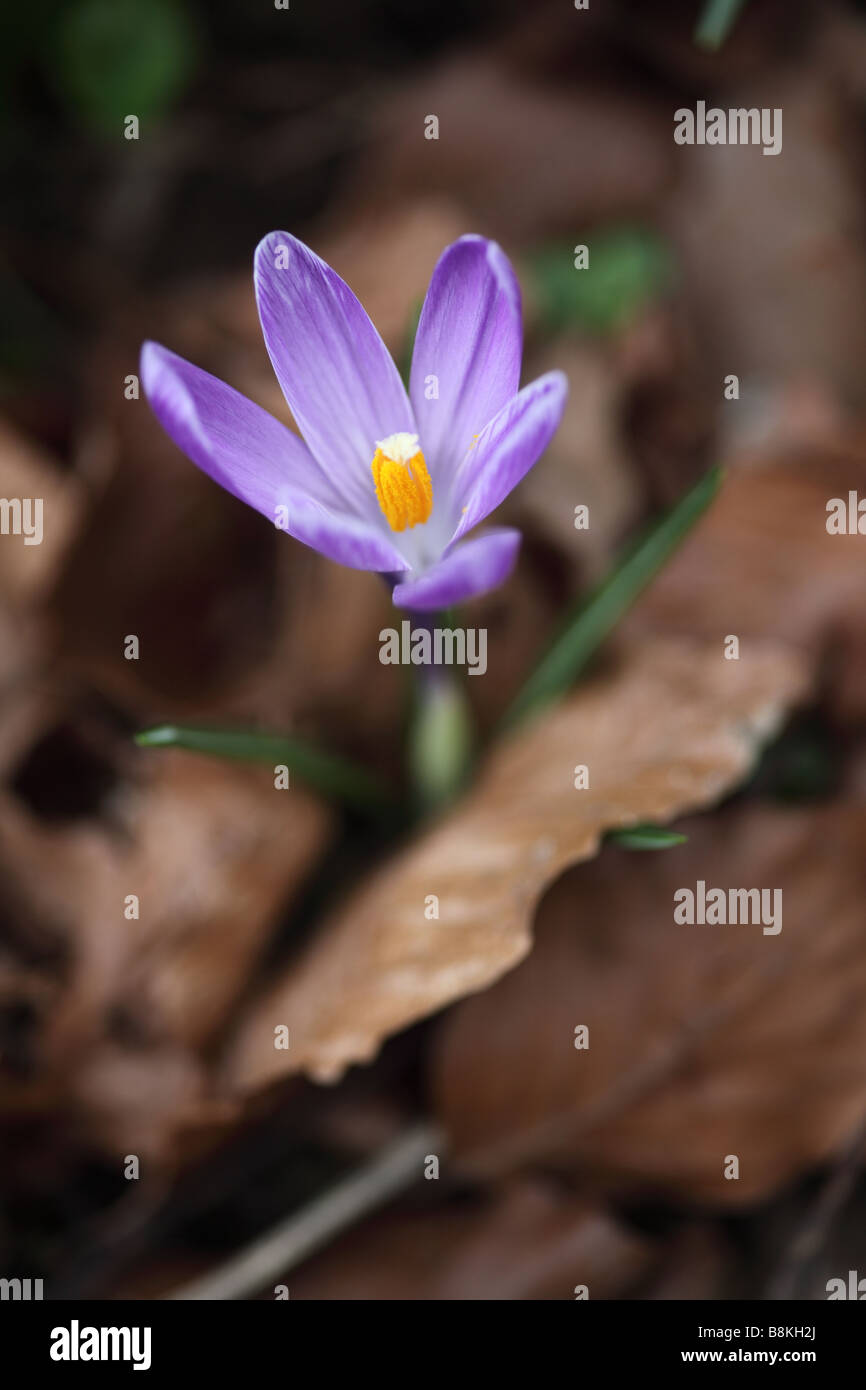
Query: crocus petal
257, 460
466, 571
509, 447
336, 373
469, 339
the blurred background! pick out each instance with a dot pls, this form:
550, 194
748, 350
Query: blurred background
125, 1036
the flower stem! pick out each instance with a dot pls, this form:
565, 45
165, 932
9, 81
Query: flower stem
440, 733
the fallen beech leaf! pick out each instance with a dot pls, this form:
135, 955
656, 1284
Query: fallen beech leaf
525, 1241
669, 731
218, 851
103, 1003
137, 1100
704, 1041
761, 565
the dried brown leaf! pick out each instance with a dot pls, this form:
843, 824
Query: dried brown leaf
670, 731
525, 1241
704, 1041
761, 565
97, 1006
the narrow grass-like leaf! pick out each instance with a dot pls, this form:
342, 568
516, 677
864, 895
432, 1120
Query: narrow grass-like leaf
408, 349
718, 18
323, 772
591, 622
645, 837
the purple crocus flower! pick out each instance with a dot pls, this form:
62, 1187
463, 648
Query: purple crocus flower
380, 480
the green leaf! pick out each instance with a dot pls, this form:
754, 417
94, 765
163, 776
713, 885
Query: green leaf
322, 771
628, 268
593, 620
718, 18
645, 837
115, 58
409, 341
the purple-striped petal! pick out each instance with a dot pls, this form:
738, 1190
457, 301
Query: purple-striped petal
466, 571
336, 373
508, 448
256, 459
467, 349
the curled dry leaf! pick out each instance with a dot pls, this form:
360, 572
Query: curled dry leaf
669, 731
526, 1240
217, 853
704, 1041
98, 1004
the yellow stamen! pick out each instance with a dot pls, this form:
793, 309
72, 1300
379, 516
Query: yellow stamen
403, 487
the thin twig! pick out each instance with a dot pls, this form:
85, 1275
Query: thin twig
287, 1244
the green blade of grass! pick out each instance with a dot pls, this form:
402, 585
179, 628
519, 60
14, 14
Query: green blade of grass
718, 18
645, 837
591, 622
405, 362
323, 772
